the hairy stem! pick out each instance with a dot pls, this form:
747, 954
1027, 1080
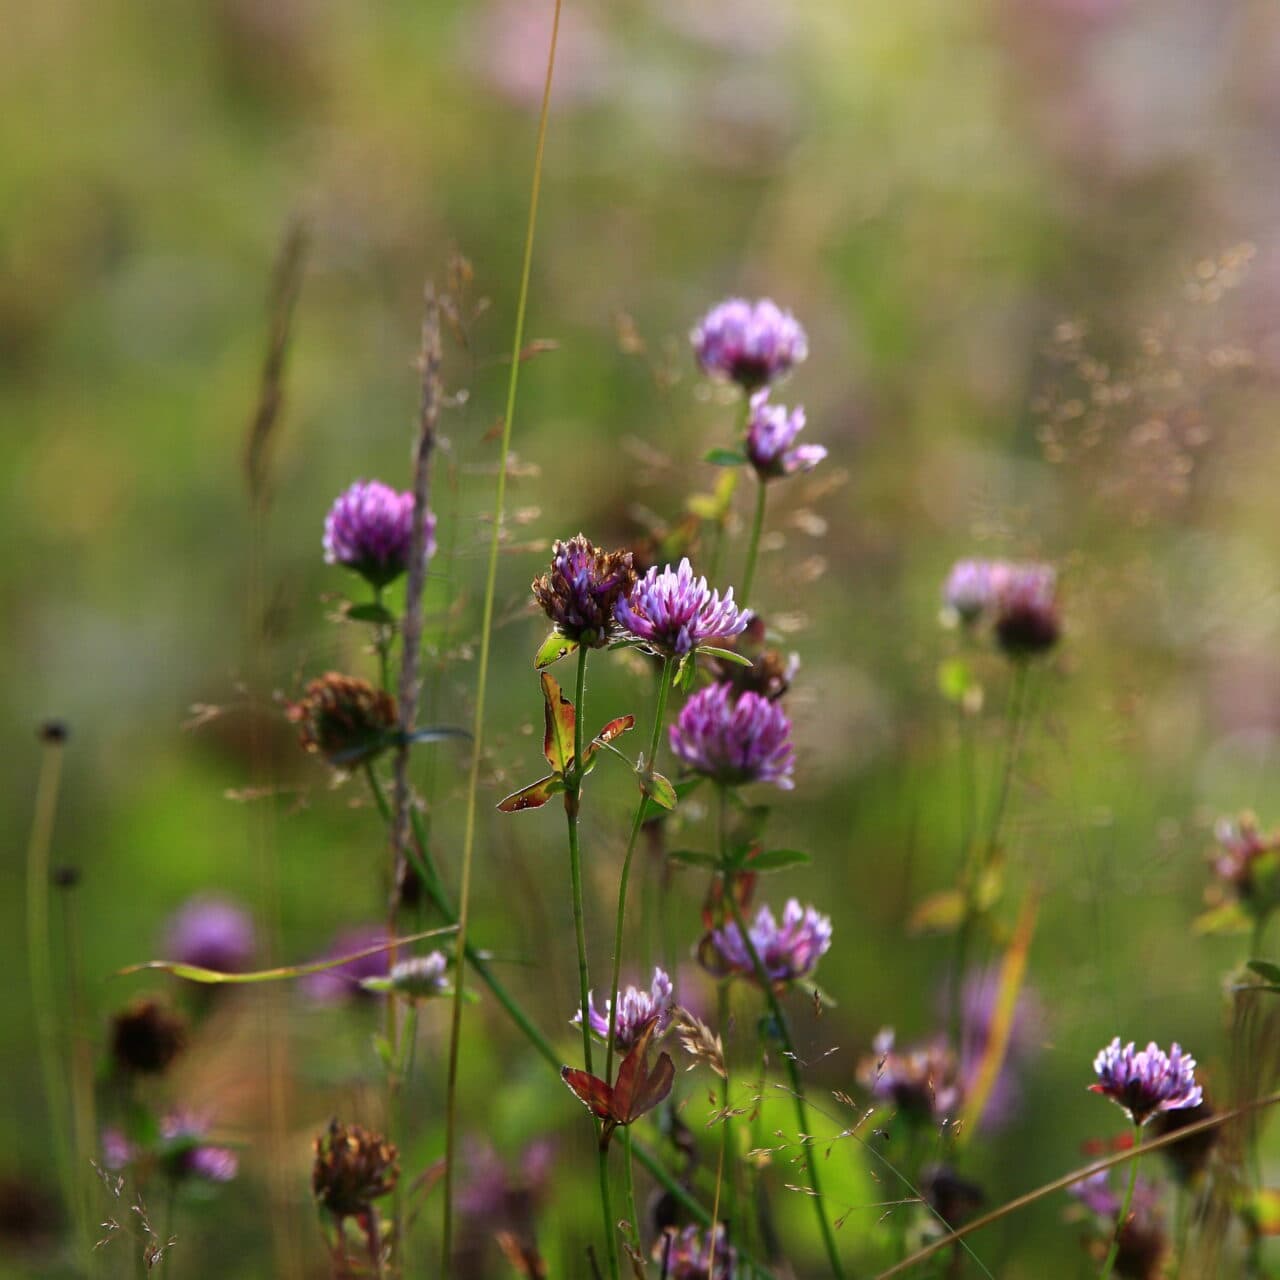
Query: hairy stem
660, 711
482, 676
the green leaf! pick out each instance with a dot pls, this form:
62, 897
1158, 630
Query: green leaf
534, 796
557, 740
194, 973
694, 858
685, 673
552, 649
955, 679
686, 786
724, 457
1265, 969
777, 860
659, 790
726, 655
371, 612
1228, 918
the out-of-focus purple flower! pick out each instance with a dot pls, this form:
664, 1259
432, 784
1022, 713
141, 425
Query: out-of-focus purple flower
1026, 609
490, 1188
787, 952
750, 343
923, 1083
582, 588
1144, 1246
636, 1009
1248, 862
771, 434
734, 738
117, 1150
970, 589
331, 986
771, 671
417, 978
1148, 1080
689, 1255
674, 612
212, 933
369, 529
183, 1131
978, 996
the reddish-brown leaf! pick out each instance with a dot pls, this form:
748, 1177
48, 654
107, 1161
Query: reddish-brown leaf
614, 729
591, 1091
534, 796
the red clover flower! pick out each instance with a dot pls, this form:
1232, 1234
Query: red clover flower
673, 612
1146, 1081
788, 952
582, 588
752, 344
211, 933
734, 738
771, 435
636, 1008
369, 529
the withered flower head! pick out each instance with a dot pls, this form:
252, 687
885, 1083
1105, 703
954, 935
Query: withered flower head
343, 718
146, 1037
771, 671
923, 1082
581, 589
353, 1167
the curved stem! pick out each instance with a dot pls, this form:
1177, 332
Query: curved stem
753, 546
783, 1031
482, 676
1123, 1217
664, 688
573, 802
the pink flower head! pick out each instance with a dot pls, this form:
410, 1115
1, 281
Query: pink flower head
771, 435
673, 612
750, 343
369, 529
734, 738
636, 1009
1146, 1081
787, 951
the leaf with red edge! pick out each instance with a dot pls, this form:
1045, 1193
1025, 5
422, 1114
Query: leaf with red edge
590, 1090
534, 796
638, 1089
557, 740
552, 649
614, 729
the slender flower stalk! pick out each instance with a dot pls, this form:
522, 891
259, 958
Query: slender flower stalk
753, 543
1123, 1216
39, 961
659, 715
482, 677
783, 1031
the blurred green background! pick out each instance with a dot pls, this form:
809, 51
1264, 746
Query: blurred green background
958, 201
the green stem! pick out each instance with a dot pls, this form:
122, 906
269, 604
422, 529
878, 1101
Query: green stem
573, 805
783, 1031
664, 688
977, 868
382, 642
753, 546
1123, 1217
482, 676
632, 1213
39, 960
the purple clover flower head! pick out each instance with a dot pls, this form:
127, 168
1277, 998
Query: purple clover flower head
750, 343
1143, 1244
771, 435
333, 986
734, 738
369, 529
183, 1131
1146, 1081
1248, 863
689, 1255
212, 933
923, 1083
1026, 609
117, 1150
1096, 1194
673, 612
788, 952
636, 1009
416, 978
970, 589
